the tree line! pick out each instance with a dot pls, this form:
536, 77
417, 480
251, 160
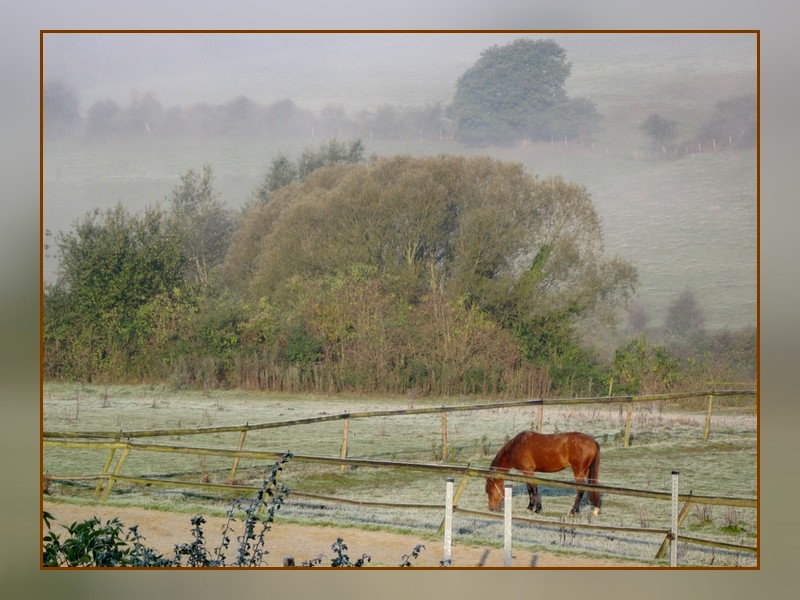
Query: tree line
435, 276
512, 93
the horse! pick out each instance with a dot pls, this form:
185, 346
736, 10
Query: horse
529, 452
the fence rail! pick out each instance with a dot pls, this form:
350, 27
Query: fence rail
122, 442
607, 400
465, 471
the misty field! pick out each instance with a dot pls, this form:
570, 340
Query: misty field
665, 436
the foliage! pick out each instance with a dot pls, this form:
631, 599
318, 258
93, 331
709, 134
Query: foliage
684, 317
283, 171
202, 224
660, 129
517, 91
640, 368
735, 120
382, 261
61, 107
112, 267
93, 544
438, 275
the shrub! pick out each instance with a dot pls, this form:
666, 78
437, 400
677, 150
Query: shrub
93, 544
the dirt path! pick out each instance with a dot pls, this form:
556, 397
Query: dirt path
162, 530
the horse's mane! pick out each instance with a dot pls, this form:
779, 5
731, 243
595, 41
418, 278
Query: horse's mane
504, 450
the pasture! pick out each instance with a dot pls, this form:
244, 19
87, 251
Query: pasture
664, 436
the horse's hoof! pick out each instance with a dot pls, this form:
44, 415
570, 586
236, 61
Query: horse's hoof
596, 511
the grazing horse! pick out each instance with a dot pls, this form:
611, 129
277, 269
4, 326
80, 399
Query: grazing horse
529, 452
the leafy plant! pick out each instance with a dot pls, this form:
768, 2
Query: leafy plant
92, 543
342, 559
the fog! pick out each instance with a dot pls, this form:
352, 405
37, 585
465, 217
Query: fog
651, 209
358, 71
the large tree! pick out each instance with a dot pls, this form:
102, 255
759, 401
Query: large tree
517, 91
483, 234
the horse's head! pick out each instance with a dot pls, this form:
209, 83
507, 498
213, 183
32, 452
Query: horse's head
494, 489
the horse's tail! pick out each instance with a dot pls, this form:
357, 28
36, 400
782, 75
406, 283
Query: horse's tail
594, 474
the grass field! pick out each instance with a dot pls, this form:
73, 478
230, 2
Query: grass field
664, 437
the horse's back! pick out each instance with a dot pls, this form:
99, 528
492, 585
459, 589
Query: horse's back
559, 450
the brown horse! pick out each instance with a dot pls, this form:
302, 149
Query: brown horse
529, 452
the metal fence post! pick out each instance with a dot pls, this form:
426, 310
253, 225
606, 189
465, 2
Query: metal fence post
448, 523
507, 525
673, 544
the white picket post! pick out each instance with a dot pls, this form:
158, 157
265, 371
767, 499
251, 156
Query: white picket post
448, 523
673, 544
507, 525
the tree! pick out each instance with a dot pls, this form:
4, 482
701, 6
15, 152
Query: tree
283, 171
485, 235
202, 223
112, 266
104, 118
735, 120
144, 113
660, 129
684, 316
61, 108
517, 91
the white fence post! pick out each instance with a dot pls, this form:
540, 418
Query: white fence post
448, 523
507, 525
673, 543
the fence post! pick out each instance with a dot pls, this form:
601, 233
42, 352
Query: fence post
239, 447
345, 429
708, 417
673, 543
106, 467
681, 517
117, 469
628, 417
456, 498
444, 436
507, 504
448, 523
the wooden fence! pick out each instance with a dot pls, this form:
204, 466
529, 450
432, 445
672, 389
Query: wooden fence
109, 476
628, 401
112, 441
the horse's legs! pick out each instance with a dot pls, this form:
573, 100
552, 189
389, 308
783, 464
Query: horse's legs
579, 478
535, 503
577, 506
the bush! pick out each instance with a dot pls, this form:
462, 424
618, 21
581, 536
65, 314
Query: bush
94, 544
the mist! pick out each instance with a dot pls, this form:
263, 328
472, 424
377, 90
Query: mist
685, 221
